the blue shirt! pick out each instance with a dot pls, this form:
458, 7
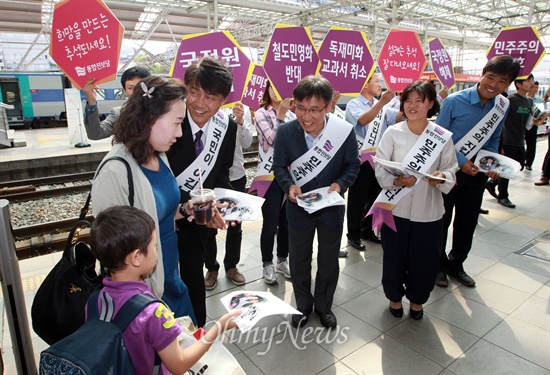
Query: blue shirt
461, 111
356, 107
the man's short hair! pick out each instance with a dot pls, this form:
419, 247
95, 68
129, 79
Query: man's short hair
133, 72
313, 86
117, 231
503, 65
211, 75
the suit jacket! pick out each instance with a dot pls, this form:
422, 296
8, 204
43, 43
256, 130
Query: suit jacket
99, 130
290, 144
182, 154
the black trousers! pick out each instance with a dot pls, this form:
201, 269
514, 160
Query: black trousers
193, 240
411, 259
465, 200
275, 223
546, 162
361, 196
329, 224
516, 153
530, 145
233, 240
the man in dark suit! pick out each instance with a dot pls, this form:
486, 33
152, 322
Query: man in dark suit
208, 83
317, 150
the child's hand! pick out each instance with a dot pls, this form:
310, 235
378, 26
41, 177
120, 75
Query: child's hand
228, 320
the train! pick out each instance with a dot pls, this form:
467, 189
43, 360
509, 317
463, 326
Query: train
38, 98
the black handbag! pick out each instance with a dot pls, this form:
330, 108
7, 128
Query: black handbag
60, 302
59, 305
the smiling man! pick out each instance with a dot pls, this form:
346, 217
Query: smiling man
475, 116
207, 144
317, 150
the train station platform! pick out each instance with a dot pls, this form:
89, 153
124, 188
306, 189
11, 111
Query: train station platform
502, 326
47, 152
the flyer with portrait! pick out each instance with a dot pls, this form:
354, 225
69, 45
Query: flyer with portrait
240, 206
491, 161
318, 199
255, 305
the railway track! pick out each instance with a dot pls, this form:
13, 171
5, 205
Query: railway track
44, 238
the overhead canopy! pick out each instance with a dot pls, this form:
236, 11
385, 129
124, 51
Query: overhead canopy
463, 24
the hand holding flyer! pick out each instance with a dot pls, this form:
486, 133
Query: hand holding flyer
255, 305
240, 206
318, 199
490, 161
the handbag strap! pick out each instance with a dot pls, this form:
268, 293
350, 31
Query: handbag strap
84, 210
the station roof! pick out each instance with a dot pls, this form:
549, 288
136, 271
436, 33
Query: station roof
465, 24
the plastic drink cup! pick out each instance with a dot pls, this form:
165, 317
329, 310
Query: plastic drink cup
202, 205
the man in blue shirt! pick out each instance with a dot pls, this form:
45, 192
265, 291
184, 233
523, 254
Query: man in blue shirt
460, 113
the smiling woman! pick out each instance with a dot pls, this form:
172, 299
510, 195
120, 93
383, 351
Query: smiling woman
148, 125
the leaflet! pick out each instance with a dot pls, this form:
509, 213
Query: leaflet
488, 161
240, 206
318, 199
255, 305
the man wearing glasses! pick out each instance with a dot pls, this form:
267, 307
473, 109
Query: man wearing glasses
317, 150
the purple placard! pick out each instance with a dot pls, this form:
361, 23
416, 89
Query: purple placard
520, 42
255, 88
218, 44
441, 63
290, 57
346, 60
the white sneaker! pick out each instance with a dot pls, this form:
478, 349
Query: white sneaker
283, 268
270, 276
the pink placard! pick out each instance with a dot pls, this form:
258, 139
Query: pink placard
85, 41
401, 59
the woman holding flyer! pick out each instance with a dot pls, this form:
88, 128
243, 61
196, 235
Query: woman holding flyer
411, 246
273, 112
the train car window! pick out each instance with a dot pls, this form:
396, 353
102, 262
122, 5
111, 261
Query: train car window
10, 97
120, 94
100, 94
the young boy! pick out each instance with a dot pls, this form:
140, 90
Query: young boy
123, 239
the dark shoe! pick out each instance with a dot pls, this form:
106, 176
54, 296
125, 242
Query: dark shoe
371, 237
235, 276
398, 313
441, 279
463, 277
490, 187
483, 211
356, 244
543, 181
342, 253
416, 315
528, 167
506, 203
328, 320
299, 321
210, 280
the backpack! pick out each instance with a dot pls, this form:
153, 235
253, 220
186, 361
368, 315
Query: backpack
97, 347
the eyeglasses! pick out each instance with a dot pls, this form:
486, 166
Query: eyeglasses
313, 111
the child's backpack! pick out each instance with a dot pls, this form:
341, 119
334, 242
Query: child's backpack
97, 347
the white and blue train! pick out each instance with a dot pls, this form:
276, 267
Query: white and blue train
38, 97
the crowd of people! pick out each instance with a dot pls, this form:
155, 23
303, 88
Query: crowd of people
175, 137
